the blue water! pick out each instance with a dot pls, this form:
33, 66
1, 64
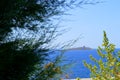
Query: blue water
77, 57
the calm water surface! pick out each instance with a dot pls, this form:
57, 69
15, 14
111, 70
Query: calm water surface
77, 56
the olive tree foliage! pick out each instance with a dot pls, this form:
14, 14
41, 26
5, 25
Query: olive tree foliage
108, 66
26, 29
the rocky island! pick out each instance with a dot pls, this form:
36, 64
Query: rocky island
80, 48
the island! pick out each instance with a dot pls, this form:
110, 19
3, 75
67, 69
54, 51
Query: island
80, 48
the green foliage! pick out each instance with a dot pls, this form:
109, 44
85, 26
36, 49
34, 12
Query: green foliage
108, 66
16, 63
18, 58
27, 14
20, 55
26, 29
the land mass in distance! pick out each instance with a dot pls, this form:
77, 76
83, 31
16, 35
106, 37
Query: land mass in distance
80, 48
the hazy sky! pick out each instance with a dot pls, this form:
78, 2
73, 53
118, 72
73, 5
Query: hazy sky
89, 22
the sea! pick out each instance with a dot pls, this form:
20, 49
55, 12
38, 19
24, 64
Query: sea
76, 57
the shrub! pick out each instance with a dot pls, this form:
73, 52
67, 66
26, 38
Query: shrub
108, 66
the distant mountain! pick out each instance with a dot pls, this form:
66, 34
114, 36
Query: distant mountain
80, 48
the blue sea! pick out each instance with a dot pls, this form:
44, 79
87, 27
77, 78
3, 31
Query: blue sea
76, 57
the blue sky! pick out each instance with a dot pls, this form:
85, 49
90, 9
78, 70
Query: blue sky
89, 22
